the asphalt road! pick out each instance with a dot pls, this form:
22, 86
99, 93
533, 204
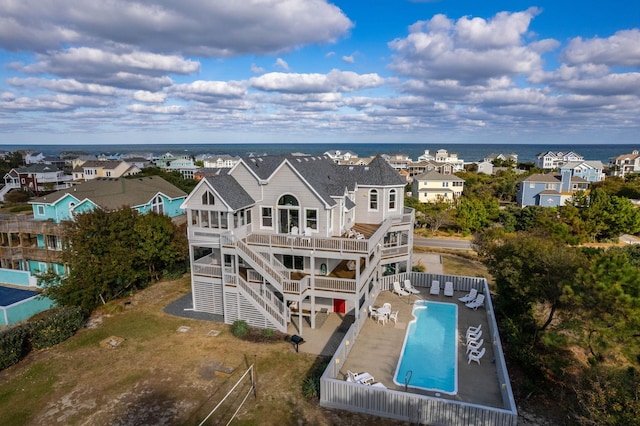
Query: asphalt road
443, 243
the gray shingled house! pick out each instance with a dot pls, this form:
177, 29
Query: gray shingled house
283, 236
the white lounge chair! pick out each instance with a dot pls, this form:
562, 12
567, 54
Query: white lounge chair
378, 385
476, 356
362, 378
435, 288
473, 346
398, 290
475, 304
448, 289
469, 297
410, 288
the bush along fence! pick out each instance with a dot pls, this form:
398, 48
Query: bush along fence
53, 327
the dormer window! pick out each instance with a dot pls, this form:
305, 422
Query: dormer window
207, 199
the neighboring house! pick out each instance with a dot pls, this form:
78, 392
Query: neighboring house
139, 162
356, 161
485, 167
398, 161
624, 164
283, 236
442, 156
165, 159
89, 170
553, 159
339, 156
423, 166
433, 186
591, 171
513, 157
35, 178
185, 166
33, 158
218, 161
549, 190
33, 244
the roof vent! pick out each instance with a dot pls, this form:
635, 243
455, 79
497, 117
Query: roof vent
366, 168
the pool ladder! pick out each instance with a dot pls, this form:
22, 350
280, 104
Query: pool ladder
407, 379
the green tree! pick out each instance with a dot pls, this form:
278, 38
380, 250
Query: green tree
112, 254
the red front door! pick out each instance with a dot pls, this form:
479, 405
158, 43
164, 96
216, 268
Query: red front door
339, 306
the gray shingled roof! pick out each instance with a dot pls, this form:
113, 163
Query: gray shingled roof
434, 175
38, 168
112, 194
326, 177
231, 192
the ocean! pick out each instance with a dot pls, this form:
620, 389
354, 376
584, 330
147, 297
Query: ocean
466, 152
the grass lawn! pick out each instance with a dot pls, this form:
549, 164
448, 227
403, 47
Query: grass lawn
159, 375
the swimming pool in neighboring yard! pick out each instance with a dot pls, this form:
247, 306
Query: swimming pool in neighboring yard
429, 357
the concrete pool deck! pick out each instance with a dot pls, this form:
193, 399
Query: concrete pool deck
377, 348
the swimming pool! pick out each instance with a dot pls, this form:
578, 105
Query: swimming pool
429, 357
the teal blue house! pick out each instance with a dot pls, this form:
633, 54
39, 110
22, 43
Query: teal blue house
33, 244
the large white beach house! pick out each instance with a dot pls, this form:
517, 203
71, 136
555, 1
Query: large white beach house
283, 236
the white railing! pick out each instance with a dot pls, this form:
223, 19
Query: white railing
415, 408
267, 301
335, 284
342, 245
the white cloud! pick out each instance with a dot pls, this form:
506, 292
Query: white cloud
335, 80
156, 109
149, 97
471, 50
199, 27
622, 48
256, 69
282, 64
209, 91
63, 85
348, 59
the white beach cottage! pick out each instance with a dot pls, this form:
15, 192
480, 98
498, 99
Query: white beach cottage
283, 236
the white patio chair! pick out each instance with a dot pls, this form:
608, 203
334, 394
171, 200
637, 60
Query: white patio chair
474, 337
448, 289
476, 356
394, 316
474, 330
435, 288
469, 297
410, 288
473, 346
475, 304
399, 290
294, 230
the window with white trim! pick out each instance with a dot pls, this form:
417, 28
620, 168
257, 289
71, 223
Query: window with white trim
311, 218
157, 205
40, 210
373, 199
392, 199
207, 199
267, 217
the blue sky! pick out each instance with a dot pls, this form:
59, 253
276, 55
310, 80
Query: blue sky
294, 71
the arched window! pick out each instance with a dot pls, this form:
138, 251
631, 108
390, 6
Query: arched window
392, 199
373, 199
157, 205
207, 199
288, 214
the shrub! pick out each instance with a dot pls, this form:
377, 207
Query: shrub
311, 387
239, 328
56, 326
14, 345
268, 333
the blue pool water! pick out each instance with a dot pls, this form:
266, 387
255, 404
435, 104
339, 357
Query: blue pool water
429, 357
